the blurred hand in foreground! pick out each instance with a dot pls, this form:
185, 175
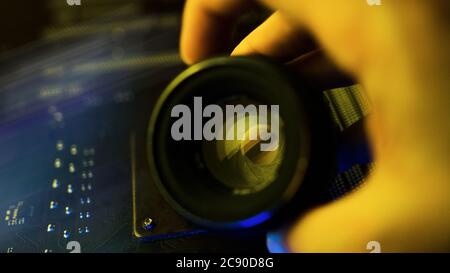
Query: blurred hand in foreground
398, 51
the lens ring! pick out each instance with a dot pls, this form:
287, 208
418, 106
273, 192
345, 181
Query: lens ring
191, 197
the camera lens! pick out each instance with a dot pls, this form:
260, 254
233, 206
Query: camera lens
240, 164
240, 181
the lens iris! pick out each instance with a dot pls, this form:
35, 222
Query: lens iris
241, 164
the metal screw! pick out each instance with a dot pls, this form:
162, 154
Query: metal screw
148, 224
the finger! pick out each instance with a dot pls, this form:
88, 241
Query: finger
346, 225
319, 71
398, 218
333, 25
207, 27
278, 38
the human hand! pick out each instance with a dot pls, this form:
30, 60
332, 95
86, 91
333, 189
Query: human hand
399, 53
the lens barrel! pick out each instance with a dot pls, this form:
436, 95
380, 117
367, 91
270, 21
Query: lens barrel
234, 183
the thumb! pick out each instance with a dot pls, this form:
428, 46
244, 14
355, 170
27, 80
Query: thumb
399, 218
346, 225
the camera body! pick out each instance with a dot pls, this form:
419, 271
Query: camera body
177, 191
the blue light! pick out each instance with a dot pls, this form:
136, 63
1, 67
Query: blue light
275, 242
255, 220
